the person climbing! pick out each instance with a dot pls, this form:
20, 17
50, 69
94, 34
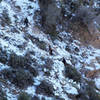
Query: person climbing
26, 22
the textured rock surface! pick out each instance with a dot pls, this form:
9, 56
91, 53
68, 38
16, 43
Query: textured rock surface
84, 26
46, 67
51, 15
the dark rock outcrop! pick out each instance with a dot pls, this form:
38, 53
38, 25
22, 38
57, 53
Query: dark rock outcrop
72, 73
88, 92
2, 95
19, 77
24, 96
85, 26
35, 98
45, 88
51, 15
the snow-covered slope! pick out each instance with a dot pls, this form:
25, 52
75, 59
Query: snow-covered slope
45, 59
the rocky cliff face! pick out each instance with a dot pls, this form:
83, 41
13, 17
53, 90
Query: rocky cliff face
85, 26
49, 50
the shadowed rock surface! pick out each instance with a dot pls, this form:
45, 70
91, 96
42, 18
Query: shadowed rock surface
45, 88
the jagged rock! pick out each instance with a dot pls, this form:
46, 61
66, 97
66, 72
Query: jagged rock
51, 15
43, 98
88, 93
19, 77
3, 56
5, 19
33, 71
45, 88
58, 98
24, 96
48, 63
72, 73
18, 61
94, 28
98, 59
78, 25
84, 26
